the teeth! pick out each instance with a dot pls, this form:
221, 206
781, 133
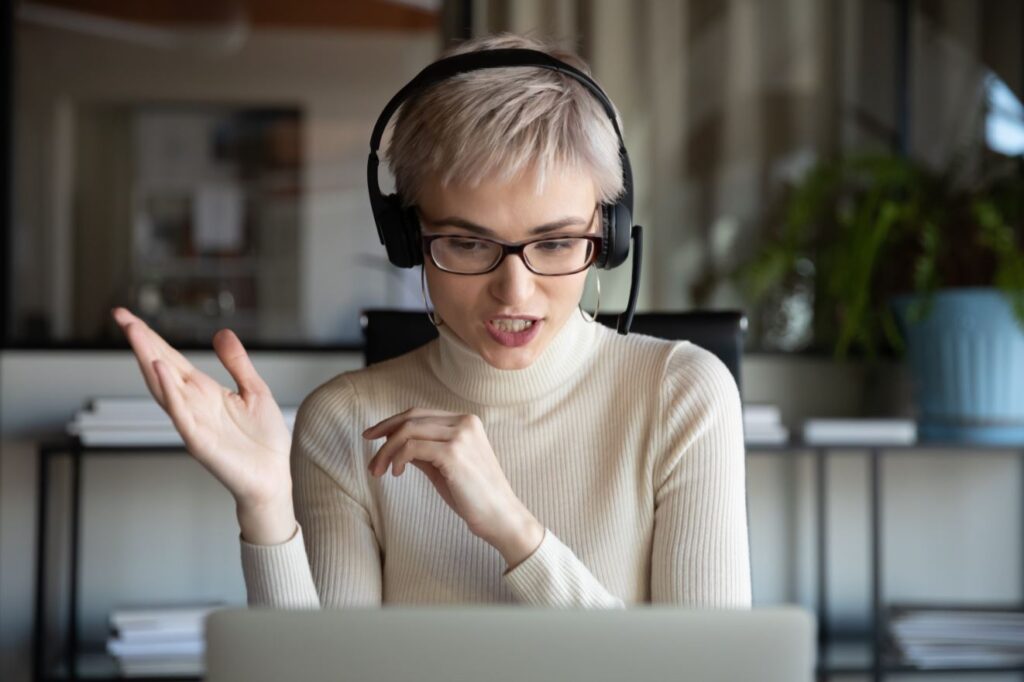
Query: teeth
512, 325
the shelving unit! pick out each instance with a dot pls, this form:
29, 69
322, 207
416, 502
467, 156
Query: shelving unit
72, 663
869, 656
836, 657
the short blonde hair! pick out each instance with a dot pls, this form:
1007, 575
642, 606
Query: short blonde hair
502, 122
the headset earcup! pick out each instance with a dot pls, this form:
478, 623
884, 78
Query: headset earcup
607, 234
411, 235
389, 223
395, 224
617, 224
623, 229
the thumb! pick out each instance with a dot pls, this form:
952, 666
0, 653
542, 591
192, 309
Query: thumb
234, 358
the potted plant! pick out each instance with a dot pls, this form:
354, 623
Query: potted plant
904, 258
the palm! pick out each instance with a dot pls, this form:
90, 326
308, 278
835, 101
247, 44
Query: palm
240, 437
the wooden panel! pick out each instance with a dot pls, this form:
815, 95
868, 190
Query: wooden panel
335, 14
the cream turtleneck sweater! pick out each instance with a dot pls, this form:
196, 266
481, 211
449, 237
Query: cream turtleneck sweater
628, 449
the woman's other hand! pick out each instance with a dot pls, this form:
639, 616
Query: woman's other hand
240, 436
454, 452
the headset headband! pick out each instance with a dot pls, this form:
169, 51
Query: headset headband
388, 211
496, 59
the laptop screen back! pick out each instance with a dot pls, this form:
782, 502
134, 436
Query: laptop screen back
506, 643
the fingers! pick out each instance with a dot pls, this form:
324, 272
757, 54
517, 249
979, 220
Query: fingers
145, 357
234, 358
175, 401
432, 452
393, 422
149, 340
149, 346
420, 430
122, 315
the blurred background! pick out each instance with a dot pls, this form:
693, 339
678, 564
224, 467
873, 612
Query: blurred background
203, 162
806, 161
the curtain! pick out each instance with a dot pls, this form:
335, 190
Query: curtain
724, 102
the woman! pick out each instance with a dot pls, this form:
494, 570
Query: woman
529, 454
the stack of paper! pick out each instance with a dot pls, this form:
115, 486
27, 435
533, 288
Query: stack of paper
860, 431
762, 425
159, 641
132, 421
958, 637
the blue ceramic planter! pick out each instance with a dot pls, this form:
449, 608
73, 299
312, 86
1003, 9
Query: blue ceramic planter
967, 367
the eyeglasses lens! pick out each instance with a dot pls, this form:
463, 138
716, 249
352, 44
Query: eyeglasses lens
468, 255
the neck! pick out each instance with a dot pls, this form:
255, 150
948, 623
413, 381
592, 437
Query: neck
468, 375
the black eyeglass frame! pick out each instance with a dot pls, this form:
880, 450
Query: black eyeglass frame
596, 243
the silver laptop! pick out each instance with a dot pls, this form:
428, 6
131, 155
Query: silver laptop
506, 643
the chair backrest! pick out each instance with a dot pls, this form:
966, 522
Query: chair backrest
718, 331
390, 333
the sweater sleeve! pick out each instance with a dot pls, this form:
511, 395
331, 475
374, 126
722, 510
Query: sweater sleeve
333, 559
700, 553
554, 576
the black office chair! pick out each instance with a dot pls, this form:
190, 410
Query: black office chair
390, 333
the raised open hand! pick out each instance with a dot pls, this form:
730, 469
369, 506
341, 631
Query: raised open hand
240, 436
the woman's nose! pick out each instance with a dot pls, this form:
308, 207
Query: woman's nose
512, 282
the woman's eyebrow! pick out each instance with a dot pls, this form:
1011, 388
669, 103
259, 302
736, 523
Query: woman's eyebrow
454, 221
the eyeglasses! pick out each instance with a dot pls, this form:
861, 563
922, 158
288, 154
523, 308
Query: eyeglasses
543, 256
463, 255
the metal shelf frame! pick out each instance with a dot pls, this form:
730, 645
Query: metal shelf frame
878, 668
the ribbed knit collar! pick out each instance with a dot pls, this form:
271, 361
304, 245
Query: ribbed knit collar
468, 375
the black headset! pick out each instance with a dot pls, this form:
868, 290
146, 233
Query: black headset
398, 227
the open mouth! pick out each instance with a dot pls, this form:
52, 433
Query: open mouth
512, 325
511, 333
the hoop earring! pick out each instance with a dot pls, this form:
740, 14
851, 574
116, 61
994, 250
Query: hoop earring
597, 278
434, 320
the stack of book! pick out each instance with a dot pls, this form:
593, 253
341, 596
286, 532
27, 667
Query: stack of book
132, 421
762, 425
860, 431
159, 641
957, 636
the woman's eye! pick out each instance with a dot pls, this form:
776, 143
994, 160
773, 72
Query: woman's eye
560, 245
465, 244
